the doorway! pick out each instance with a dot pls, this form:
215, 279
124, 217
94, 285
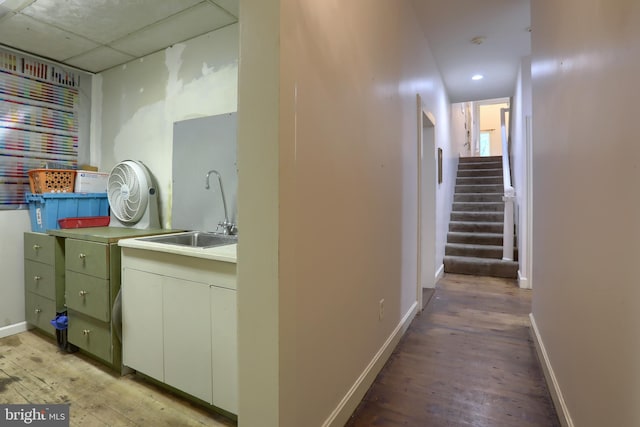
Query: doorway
427, 183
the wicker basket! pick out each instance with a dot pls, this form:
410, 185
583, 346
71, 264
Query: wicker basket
52, 180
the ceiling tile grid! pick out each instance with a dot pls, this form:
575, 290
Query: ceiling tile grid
97, 35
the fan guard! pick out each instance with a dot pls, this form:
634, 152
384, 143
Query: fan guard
131, 194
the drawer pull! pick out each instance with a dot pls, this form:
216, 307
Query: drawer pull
38, 311
86, 331
36, 278
83, 293
36, 247
82, 256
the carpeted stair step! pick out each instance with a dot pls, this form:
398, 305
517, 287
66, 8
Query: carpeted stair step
479, 180
475, 238
478, 206
480, 165
479, 172
476, 227
489, 188
477, 197
479, 159
477, 216
477, 251
480, 266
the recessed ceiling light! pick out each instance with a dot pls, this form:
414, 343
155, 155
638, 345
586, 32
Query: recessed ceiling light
477, 77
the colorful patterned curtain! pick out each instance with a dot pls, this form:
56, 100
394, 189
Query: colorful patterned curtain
38, 122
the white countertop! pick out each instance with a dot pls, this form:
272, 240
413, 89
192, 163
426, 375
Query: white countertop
226, 253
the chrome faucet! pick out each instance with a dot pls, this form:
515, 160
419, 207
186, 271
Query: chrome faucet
228, 227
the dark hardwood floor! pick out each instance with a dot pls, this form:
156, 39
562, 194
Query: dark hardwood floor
467, 360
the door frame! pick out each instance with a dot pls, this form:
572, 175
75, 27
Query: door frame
426, 200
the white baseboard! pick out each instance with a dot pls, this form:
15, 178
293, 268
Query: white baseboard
440, 272
550, 376
354, 396
6, 331
523, 281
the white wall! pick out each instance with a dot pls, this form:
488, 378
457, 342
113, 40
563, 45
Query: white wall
586, 170
12, 225
329, 224
142, 99
521, 110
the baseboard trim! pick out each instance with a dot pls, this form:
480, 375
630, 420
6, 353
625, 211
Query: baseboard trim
523, 281
550, 376
354, 396
440, 272
7, 331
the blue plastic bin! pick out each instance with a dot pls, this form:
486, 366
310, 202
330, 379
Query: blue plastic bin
47, 208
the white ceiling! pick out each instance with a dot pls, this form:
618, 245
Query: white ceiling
95, 35
450, 25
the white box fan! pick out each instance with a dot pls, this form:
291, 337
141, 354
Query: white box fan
133, 199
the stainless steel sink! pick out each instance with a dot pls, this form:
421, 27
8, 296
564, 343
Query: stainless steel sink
194, 239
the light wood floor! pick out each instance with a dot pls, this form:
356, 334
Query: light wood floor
467, 360
34, 370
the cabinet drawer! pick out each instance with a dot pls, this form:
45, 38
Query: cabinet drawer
40, 278
90, 335
88, 295
87, 257
39, 247
40, 311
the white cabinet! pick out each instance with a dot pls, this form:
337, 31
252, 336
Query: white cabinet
179, 323
187, 337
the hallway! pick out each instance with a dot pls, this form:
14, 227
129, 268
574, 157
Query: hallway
468, 359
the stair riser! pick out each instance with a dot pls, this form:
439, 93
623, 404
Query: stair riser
476, 227
481, 180
477, 197
478, 216
479, 172
488, 252
476, 239
479, 188
505, 271
478, 207
482, 165
479, 159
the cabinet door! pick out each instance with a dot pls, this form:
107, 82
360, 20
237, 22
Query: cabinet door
142, 346
224, 348
187, 337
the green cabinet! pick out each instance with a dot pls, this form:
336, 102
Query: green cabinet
89, 266
92, 272
43, 280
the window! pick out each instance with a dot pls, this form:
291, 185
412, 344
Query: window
485, 144
39, 124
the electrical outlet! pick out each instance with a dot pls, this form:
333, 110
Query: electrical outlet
381, 309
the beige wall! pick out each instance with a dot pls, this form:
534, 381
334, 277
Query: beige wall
586, 204
329, 225
490, 122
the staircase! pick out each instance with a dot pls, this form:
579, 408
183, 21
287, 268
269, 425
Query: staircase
474, 241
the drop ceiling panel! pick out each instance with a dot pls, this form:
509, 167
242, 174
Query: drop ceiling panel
35, 37
16, 4
192, 22
231, 6
99, 59
104, 21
